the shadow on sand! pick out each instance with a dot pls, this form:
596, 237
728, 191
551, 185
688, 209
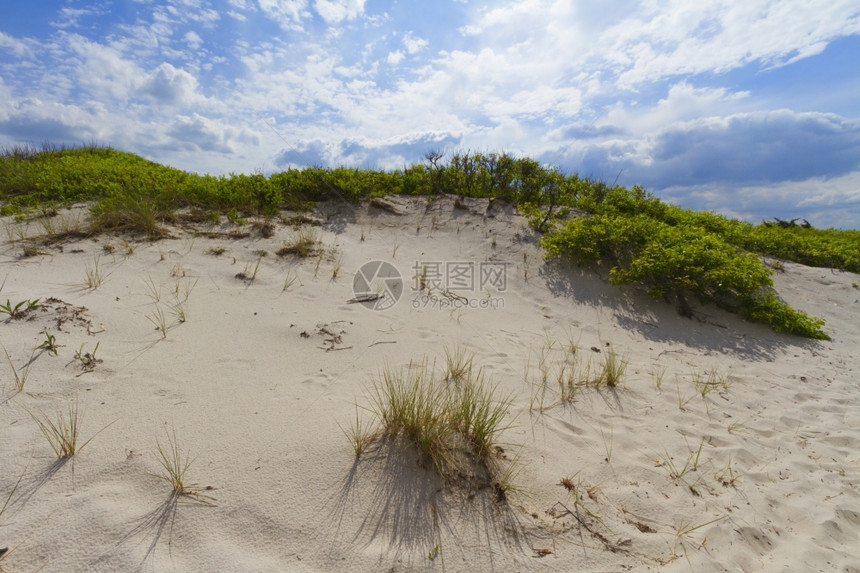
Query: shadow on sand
710, 329
413, 515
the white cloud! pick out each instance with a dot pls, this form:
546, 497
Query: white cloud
683, 102
20, 48
631, 86
691, 38
287, 13
102, 70
823, 201
68, 17
171, 86
413, 44
193, 39
335, 11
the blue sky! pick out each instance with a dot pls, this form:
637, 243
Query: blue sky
751, 108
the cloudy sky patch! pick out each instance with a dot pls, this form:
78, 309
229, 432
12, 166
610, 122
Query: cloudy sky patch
749, 109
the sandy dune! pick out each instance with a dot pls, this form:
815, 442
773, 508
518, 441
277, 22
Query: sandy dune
258, 381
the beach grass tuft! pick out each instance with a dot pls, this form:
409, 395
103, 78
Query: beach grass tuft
452, 419
62, 432
174, 465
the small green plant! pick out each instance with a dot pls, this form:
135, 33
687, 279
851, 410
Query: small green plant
563, 371
433, 553
174, 465
88, 360
422, 279
234, 217
735, 427
49, 344
20, 309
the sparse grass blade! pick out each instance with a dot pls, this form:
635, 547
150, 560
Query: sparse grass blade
360, 434
20, 379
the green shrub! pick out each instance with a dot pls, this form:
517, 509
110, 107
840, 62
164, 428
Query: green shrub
674, 262
766, 307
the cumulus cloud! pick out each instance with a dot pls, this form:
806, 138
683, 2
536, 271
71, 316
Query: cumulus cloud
103, 70
34, 121
169, 85
198, 133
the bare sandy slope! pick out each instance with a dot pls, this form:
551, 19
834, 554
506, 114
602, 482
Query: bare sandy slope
758, 472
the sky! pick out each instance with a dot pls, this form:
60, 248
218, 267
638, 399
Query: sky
750, 108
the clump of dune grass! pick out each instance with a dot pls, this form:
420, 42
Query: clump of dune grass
95, 275
612, 372
62, 432
453, 420
304, 243
174, 465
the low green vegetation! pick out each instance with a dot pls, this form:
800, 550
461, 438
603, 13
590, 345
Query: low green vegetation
675, 254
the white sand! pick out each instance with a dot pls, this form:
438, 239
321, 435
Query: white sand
260, 407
